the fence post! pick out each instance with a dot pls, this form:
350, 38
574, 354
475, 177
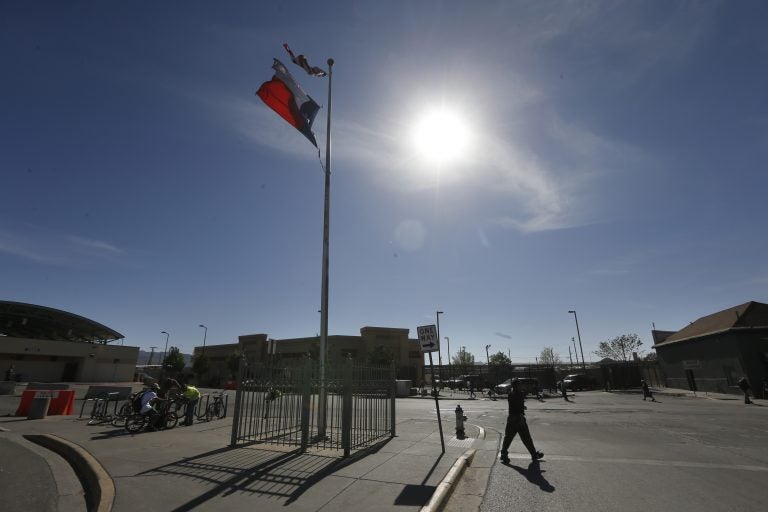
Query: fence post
346, 410
238, 397
306, 381
392, 394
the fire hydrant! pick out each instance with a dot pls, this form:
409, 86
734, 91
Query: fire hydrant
460, 422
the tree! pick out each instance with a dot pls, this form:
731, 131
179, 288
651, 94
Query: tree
549, 357
464, 361
233, 363
500, 367
380, 356
200, 365
500, 359
174, 360
619, 348
651, 356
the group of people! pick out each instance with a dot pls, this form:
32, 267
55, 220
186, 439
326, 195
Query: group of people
152, 397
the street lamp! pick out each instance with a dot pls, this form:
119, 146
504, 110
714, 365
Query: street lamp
205, 335
162, 362
450, 369
439, 352
583, 364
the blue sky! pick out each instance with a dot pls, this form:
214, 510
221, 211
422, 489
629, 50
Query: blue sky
615, 164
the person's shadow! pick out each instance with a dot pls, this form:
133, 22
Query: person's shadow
534, 474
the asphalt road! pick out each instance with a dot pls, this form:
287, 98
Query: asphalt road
612, 451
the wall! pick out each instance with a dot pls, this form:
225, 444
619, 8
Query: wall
47, 360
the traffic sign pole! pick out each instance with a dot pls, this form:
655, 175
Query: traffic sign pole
430, 343
437, 403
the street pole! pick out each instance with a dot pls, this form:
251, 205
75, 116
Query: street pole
151, 355
165, 352
569, 355
321, 420
439, 353
583, 364
575, 352
205, 335
450, 368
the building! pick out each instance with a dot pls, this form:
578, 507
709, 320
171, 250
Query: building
49, 345
715, 351
408, 357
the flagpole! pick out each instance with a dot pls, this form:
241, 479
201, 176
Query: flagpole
321, 423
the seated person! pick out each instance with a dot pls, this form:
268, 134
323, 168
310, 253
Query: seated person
148, 400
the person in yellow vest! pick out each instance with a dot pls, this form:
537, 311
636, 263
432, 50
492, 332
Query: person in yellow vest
192, 395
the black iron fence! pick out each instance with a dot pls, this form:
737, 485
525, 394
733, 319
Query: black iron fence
351, 408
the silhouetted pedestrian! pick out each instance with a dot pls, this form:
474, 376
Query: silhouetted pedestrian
646, 391
744, 386
564, 390
472, 390
10, 373
516, 424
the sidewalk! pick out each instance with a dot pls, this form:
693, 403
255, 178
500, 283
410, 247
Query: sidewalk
191, 468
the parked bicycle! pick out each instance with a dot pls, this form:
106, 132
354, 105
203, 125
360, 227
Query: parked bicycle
216, 408
168, 419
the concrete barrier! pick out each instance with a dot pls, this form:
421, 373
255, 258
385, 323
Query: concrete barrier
38, 408
47, 385
7, 387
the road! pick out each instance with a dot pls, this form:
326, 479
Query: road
613, 451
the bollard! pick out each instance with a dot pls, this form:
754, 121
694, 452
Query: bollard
38, 409
460, 422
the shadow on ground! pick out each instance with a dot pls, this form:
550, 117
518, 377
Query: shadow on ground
256, 469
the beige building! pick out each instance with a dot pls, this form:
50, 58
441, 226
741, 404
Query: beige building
48, 345
407, 352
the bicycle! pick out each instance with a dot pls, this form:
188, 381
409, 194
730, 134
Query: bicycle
216, 408
137, 422
100, 412
122, 414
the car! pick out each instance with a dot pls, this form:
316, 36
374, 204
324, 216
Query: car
527, 386
577, 382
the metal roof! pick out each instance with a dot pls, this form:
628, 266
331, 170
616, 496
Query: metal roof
21, 320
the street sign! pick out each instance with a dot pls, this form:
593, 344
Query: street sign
428, 338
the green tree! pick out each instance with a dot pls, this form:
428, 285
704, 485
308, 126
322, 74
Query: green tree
233, 363
200, 365
500, 367
619, 348
464, 361
500, 359
174, 360
380, 356
549, 357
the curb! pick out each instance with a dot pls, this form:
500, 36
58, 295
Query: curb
445, 488
98, 486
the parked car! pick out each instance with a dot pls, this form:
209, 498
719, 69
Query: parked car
527, 386
577, 382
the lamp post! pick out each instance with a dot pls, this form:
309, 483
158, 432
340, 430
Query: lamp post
439, 353
162, 361
450, 369
205, 335
583, 364
575, 352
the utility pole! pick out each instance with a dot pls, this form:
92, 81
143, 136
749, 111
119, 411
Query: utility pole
575, 352
569, 355
151, 355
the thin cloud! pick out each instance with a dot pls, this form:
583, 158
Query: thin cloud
43, 246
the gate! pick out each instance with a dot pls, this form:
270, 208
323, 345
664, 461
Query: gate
351, 409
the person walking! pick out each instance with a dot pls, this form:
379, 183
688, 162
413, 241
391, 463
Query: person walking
646, 391
516, 424
472, 389
564, 390
744, 386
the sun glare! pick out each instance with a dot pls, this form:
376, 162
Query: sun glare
441, 136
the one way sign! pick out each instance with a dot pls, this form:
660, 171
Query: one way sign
428, 338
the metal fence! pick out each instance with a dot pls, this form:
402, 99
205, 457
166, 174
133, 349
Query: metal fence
289, 404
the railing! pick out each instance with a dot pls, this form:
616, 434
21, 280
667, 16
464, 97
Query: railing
281, 405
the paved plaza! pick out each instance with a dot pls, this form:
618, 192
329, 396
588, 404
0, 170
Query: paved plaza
604, 451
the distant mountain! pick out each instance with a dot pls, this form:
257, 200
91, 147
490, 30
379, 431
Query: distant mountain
144, 358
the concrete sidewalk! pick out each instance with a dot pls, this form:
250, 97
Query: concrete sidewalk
191, 468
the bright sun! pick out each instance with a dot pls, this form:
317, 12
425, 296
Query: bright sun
441, 136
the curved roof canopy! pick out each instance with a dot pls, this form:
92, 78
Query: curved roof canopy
39, 322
